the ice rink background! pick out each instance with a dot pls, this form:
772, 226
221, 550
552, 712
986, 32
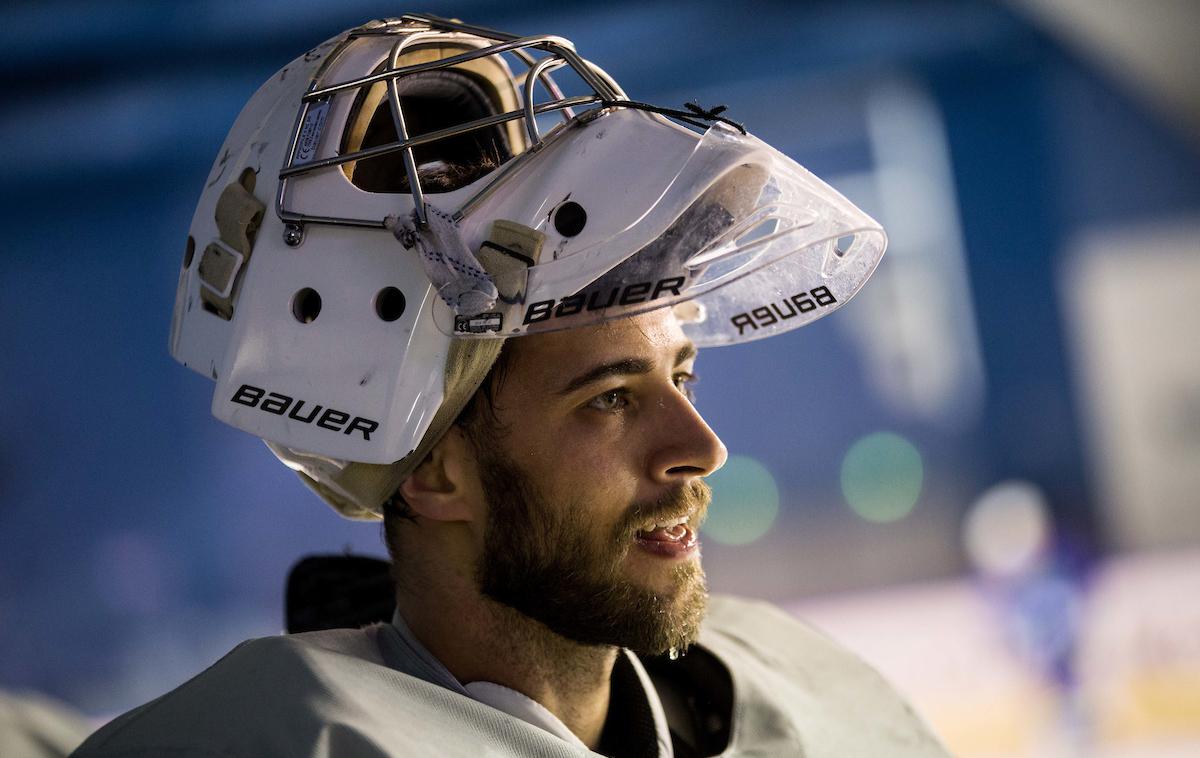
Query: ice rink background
983, 475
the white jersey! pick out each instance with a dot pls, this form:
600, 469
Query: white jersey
768, 684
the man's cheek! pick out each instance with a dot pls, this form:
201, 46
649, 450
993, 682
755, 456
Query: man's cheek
576, 450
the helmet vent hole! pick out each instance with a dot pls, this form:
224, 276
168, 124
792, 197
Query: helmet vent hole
306, 305
843, 245
389, 304
189, 252
570, 218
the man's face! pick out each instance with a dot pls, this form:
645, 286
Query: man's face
591, 479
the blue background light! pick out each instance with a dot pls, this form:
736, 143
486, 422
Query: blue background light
881, 477
745, 502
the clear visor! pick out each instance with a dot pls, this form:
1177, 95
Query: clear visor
743, 243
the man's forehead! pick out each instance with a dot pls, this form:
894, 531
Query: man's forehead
655, 336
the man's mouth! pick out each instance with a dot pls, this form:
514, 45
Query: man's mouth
671, 538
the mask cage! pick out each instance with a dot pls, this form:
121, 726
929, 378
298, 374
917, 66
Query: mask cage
412, 132
431, 100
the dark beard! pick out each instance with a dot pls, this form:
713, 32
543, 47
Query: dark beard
547, 563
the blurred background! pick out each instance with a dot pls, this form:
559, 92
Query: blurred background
984, 476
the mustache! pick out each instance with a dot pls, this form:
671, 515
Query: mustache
693, 498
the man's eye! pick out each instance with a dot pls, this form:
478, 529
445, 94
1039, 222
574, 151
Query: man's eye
686, 383
614, 400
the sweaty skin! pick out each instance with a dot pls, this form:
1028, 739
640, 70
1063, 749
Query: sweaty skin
599, 428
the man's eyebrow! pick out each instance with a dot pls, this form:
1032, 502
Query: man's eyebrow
686, 353
623, 367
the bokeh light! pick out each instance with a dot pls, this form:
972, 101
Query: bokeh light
1007, 529
745, 502
882, 475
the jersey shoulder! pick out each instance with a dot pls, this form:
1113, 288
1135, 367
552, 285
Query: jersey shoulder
319, 694
260, 698
796, 686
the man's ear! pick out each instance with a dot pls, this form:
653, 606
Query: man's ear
441, 488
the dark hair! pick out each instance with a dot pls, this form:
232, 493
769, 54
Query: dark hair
431, 101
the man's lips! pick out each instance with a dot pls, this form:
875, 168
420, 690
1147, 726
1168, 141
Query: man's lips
675, 540
671, 526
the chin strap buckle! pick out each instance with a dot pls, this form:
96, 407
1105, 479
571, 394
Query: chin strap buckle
218, 269
508, 253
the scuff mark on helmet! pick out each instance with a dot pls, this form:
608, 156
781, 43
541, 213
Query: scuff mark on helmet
553, 208
258, 148
221, 162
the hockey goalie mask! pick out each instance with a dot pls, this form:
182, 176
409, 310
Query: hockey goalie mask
417, 180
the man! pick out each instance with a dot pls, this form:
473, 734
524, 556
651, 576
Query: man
485, 335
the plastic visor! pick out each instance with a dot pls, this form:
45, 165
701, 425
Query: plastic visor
745, 243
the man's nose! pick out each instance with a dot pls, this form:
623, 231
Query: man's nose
685, 447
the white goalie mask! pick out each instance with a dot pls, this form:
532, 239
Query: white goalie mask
399, 187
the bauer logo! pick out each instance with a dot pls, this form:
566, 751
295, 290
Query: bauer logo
303, 411
782, 310
600, 299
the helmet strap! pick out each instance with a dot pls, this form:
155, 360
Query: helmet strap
238, 215
455, 273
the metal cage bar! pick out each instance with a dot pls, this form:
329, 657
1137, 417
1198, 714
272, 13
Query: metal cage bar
392, 147
561, 52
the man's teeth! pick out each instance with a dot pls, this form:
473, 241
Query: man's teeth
668, 524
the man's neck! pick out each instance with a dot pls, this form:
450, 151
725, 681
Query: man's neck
478, 639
